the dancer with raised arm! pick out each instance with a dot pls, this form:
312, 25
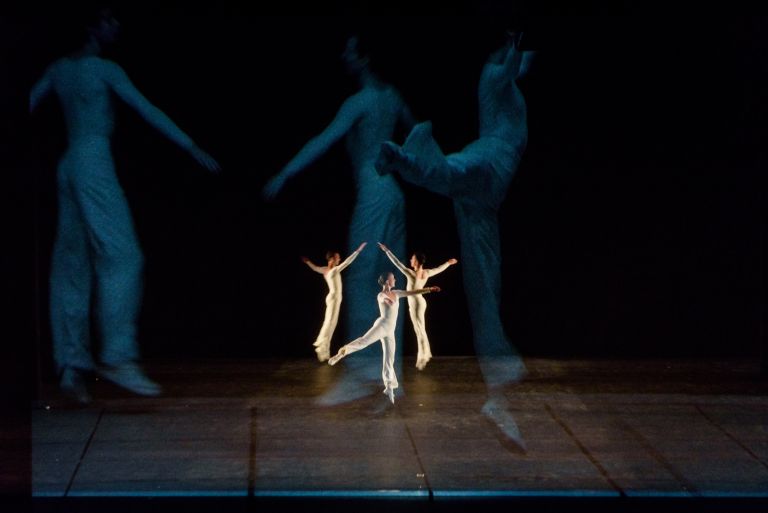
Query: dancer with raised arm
365, 120
383, 329
95, 238
477, 179
416, 278
332, 275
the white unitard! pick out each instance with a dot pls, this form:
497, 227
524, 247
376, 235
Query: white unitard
417, 305
332, 305
383, 329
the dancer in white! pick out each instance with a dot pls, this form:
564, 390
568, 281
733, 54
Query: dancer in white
416, 278
384, 329
332, 275
95, 237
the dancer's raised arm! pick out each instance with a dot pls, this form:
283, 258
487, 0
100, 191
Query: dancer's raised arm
312, 266
403, 269
441, 268
351, 257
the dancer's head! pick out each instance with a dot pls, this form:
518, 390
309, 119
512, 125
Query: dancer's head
333, 258
387, 280
417, 260
102, 26
354, 61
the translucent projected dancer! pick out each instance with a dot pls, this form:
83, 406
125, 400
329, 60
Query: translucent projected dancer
416, 278
383, 329
332, 275
477, 178
95, 238
365, 120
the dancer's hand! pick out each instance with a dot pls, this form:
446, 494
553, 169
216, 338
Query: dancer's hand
434, 289
204, 159
361, 246
304, 259
452, 261
273, 186
383, 247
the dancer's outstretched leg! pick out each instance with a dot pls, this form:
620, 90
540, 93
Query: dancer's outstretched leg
375, 333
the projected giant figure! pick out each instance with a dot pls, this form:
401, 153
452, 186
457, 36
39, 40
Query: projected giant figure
95, 238
477, 178
365, 120
332, 275
383, 329
416, 277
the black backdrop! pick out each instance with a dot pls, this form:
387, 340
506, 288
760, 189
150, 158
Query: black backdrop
632, 228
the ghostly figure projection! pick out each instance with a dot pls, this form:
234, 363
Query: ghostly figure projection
95, 238
416, 278
476, 179
332, 275
383, 329
365, 120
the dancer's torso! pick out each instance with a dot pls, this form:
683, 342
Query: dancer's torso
388, 309
333, 280
383, 107
85, 98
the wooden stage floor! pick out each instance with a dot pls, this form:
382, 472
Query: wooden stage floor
613, 434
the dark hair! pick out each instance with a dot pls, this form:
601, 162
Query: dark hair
330, 254
421, 257
383, 278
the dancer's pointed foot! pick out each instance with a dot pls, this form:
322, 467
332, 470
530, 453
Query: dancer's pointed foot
390, 393
496, 411
323, 353
422, 360
341, 354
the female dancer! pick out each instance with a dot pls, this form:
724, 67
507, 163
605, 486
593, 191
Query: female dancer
416, 278
332, 275
383, 329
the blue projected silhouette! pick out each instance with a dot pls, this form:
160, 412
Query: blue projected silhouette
332, 275
477, 178
365, 120
416, 278
95, 238
384, 329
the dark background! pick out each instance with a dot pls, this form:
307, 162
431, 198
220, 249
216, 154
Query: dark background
632, 228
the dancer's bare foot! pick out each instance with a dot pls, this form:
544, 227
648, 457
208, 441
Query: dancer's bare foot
390, 392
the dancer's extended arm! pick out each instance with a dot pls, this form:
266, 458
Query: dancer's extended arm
351, 257
441, 268
348, 114
312, 266
118, 80
403, 293
398, 263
